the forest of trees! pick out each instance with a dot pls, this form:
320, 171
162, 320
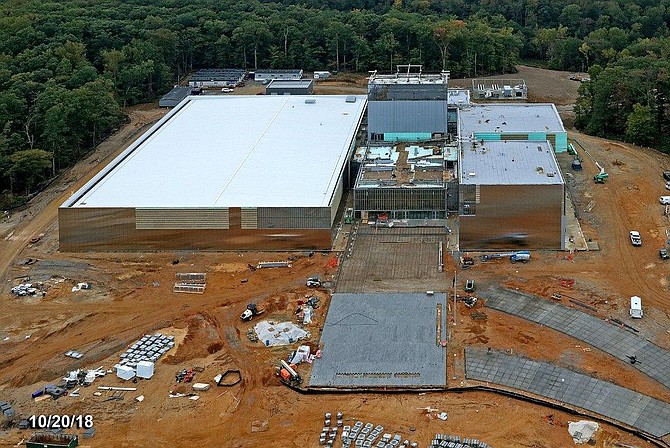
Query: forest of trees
68, 67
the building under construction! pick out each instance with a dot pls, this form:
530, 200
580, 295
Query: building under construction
511, 194
406, 181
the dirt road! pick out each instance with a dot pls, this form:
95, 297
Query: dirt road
42, 212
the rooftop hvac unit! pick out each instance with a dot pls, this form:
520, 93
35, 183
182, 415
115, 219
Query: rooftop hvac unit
350, 99
310, 101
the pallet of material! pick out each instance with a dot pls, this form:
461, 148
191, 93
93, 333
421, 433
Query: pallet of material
189, 288
194, 278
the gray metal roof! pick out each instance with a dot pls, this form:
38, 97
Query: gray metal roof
509, 118
177, 93
509, 163
290, 71
218, 74
407, 116
290, 83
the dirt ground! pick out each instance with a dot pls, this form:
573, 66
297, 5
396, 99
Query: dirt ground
132, 295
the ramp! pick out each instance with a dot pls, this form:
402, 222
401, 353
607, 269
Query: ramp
631, 408
653, 360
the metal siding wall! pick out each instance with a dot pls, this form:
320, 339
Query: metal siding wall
192, 218
249, 218
537, 136
294, 218
337, 198
88, 229
407, 117
535, 210
407, 92
387, 199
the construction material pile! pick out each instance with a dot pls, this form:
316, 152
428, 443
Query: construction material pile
139, 359
279, 333
449, 441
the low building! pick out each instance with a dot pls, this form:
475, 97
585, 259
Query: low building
174, 96
298, 87
223, 173
511, 194
499, 89
269, 75
495, 122
223, 77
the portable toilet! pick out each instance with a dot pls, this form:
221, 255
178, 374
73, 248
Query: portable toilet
636, 307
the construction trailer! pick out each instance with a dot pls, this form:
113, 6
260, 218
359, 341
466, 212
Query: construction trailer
269, 175
511, 195
268, 75
223, 77
297, 87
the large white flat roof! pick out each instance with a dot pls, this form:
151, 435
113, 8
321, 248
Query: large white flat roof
234, 151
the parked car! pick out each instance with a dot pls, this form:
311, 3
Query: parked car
665, 200
667, 185
663, 253
666, 175
469, 285
635, 238
227, 90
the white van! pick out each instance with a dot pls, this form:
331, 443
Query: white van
665, 200
636, 307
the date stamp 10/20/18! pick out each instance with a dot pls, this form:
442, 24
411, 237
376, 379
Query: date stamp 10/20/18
65, 421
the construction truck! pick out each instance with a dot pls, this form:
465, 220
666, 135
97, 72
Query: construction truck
602, 175
313, 282
288, 375
349, 216
523, 256
251, 311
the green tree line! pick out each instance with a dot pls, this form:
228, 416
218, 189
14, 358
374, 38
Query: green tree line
67, 68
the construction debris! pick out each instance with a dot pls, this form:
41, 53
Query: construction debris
201, 387
73, 354
469, 301
582, 431
26, 289
228, 378
80, 286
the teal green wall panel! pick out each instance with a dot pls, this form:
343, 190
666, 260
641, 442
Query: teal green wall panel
488, 136
561, 142
407, 136
537, 136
